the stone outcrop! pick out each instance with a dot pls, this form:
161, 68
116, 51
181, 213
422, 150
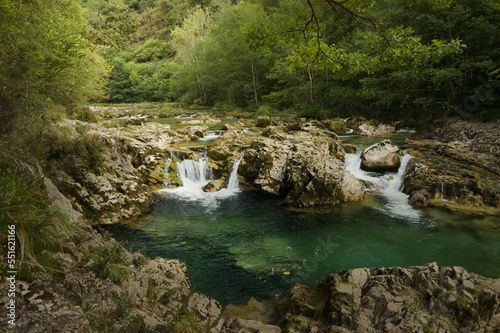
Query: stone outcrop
459, 164
476, 144
433, 179
133, 158
417, 299
382, 156
304, 167
98, 286
373, 130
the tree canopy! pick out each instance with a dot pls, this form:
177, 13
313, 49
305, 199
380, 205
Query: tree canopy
385, 59
47, 57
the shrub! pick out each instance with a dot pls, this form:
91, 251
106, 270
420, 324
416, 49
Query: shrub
60, 141
81, 129
264, 110
84, 114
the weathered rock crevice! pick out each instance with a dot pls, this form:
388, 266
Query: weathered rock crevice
458, 165
416, 299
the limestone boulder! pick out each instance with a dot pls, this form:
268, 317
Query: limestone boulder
304, 167
367, 129
208, 311
381, 157
193, 132
417, 299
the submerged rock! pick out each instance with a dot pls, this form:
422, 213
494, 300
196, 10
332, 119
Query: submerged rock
233, 324
382, 156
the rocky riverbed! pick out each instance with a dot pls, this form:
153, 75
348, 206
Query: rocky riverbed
100, 286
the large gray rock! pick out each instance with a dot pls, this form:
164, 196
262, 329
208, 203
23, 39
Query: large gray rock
418, 299
61, 202
304, 167
382, 156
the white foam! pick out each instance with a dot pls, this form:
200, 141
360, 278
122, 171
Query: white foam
390, 186
195, 175
212, 135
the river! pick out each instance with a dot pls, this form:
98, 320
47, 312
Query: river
238, 244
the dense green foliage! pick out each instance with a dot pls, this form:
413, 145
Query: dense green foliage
49, 64
47, 58
382, 59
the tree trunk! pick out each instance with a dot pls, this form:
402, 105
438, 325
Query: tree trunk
255, 81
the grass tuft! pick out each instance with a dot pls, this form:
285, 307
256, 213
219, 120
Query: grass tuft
25, 207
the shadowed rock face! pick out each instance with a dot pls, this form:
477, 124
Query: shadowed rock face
419, 299
460, 164
305, 167
382, 156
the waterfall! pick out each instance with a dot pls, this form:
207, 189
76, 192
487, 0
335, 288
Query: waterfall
212, 135
396, 183
353, 165
443, 192
195, 174
397, 201
390, 186
233, 183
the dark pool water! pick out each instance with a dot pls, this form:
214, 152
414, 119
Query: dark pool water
245, 244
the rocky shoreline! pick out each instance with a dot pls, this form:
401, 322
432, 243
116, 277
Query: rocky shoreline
457, 164
302, 163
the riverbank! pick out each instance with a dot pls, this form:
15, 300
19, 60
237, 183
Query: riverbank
101, 286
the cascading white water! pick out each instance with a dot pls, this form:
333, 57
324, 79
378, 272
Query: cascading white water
212, 135
397, 201
353, 165
389, 186
233, 182
195, 174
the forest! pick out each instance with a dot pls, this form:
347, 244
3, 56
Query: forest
73, 163
391, 59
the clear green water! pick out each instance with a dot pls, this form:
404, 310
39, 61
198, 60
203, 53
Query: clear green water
248, 245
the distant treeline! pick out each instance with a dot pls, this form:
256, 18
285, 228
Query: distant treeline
324, 58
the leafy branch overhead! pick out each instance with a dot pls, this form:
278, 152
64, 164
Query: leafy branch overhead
321, 58
382, 46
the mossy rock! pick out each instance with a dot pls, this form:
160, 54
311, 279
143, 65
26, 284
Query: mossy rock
263, 122
219, 153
